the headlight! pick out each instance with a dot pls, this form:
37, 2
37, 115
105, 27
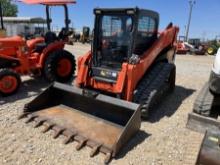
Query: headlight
216, 66
109, 74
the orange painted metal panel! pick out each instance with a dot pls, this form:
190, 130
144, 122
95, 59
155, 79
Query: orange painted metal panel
130, 75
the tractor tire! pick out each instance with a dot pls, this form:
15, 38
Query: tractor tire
211, 50
10, 82
154, 85
60, 66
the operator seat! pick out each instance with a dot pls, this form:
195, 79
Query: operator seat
64, 33
50, 37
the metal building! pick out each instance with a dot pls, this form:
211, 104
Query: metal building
24, 25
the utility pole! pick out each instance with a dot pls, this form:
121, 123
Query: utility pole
1, 17
191, 4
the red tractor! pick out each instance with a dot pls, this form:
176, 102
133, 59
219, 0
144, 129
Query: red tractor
181, 46
43, 56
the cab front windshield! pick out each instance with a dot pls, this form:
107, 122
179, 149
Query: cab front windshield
114, 39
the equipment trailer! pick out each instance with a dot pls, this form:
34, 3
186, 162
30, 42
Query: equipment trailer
125, 74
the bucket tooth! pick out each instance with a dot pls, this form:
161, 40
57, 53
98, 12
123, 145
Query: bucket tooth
81, 144
23, 115
30, 119
39, 123
102, 122
95, 150
58, 132
48, 127
69, 138
108, 158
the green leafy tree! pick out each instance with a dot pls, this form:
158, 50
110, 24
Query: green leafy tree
9, 9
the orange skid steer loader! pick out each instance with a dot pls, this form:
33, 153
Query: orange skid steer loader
125, 74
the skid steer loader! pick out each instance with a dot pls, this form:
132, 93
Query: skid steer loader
125, 74
205, 117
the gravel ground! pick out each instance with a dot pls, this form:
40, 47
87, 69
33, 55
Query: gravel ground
162, 140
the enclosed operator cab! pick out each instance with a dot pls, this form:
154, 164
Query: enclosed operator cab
119, 36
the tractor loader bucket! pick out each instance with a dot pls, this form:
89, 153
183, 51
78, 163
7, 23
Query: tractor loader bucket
201, 123
205, 102
101, 122
210, 149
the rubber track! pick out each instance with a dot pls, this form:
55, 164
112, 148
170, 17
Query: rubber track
204, 101
153, 86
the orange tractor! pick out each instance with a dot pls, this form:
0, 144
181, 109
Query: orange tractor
127, 72
39, 56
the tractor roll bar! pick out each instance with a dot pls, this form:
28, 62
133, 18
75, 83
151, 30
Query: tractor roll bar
67, 20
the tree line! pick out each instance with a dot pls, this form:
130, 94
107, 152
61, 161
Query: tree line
9, 8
